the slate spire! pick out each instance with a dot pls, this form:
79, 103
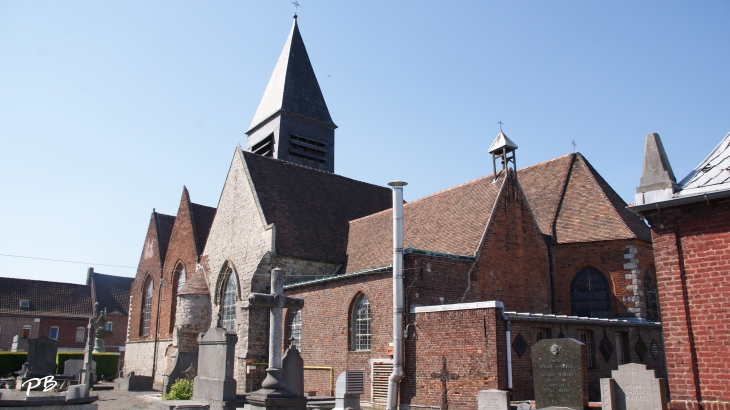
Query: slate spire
293, 86
292, 122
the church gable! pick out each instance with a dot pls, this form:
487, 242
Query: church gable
587, 212
543, 186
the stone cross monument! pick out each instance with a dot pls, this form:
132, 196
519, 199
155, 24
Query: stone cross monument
273, 394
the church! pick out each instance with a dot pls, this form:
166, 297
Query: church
491, 266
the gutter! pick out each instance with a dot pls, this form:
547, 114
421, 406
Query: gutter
637, 209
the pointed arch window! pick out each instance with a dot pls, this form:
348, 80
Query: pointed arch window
147, 307
590, 294
228, 300
361, 324
652, 296
294, 321
178, 283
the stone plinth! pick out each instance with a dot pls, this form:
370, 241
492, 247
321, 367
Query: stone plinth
492, 400
214, 383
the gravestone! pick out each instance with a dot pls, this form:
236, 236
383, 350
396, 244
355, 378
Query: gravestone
214, 383
41, 359
633, 387
132, 382
492, 400
293, 371
183, 361
73, 367
559, 377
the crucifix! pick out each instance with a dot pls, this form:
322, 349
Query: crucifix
574, 144
444, 376
296, 7
276, 301
500, 125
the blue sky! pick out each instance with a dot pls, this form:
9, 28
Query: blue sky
108, 108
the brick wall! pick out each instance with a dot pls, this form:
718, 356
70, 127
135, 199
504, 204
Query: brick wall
692, 254
13, 325
66, 331
622, 262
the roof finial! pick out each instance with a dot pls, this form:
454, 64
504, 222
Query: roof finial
296, 6
574, 144
500, 125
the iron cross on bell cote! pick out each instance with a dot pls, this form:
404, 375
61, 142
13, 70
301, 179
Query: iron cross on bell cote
276, 301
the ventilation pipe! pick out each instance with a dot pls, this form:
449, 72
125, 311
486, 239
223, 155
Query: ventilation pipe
397, 375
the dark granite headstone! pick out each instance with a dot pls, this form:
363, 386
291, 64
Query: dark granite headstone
559, 378
41, 359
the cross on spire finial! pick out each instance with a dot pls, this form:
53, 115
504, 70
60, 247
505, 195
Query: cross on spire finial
500, 125
296, 6
574, 144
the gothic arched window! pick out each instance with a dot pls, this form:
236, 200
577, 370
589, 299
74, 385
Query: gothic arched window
652, 297
361, 338
294, 321
228, 300
147, 307
178, 282
590, 294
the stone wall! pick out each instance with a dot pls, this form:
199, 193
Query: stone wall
138, 358
193, 313
692, 253
241, 238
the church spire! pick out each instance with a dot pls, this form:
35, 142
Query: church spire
292, 121
293, 86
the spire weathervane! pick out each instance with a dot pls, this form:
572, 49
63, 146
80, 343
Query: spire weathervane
500, 125
296, 6
574, 144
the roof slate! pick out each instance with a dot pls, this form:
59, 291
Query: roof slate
711, 175
203, 217
112, 293
53, 299
164, 232
311, 208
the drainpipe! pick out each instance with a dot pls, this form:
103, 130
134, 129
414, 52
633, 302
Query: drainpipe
157, 324
397, 375
509, 350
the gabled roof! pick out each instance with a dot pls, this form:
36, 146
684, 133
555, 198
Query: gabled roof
293, 86
711, 175
48, 299
311, 208
570, 201
163, 226
451, 221
111, 292
203, 217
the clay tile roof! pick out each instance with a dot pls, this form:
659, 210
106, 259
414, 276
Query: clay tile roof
451, 221
196, 285
543, 185
203, 217
48, 299
112, 293
311, 209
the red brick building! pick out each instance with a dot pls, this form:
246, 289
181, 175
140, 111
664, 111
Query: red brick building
690, 223
61, 311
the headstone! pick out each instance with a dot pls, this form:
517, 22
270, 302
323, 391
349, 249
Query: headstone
350, 385
132, 382
76, 392
493, 400
183, 361
559, 374
633, 387
72, 367
41, 359
293, 371
214, 383
273, 393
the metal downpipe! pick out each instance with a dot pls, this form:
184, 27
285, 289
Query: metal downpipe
397, 375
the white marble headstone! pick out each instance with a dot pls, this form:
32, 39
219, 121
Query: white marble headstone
493, 400
635, 388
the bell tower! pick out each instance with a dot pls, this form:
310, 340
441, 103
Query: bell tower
503, 148
292, 122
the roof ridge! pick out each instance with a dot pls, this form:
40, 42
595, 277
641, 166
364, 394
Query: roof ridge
46, 281
205, 206
285, 162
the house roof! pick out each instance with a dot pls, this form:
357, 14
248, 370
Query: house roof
711, 175
293, 86
569, 200
311, 208
111, 292
48, 299
203, 217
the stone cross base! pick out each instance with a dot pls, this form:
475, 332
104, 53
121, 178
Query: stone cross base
268, 399
215, 390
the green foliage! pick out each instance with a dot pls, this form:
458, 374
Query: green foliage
106, 363
182, 389
11, 362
